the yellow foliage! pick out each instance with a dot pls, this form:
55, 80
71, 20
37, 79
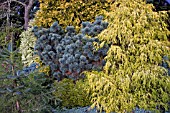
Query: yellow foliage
130, 23
72, 94
69, 13
132, 75
120, 92
42, 68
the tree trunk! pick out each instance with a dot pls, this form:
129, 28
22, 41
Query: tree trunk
26, 13
26, 18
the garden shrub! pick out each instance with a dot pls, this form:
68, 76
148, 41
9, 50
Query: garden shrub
72, 94
30, 93
69, 12
132, 76
7, 33
42, 67
28, 41
23, 89
68, 53
2, 38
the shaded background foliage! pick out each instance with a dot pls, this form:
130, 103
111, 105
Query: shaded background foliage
160, 4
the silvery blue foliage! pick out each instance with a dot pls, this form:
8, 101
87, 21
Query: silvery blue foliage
93, 29
77, 110
138, 110
68, 53
87, 109
165, 64
27, 70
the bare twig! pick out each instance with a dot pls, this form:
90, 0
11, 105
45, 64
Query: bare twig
13, 1
26, 12
19, 2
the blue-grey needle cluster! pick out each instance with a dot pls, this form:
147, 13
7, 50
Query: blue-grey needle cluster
27, 70
68, 53
165, 64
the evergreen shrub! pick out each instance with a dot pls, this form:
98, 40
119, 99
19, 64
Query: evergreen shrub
69, 12
72, 94
26, 48
28, 41
68, 53
133, 75
23, 89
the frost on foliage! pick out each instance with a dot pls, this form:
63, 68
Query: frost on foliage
28, 41
68, 53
